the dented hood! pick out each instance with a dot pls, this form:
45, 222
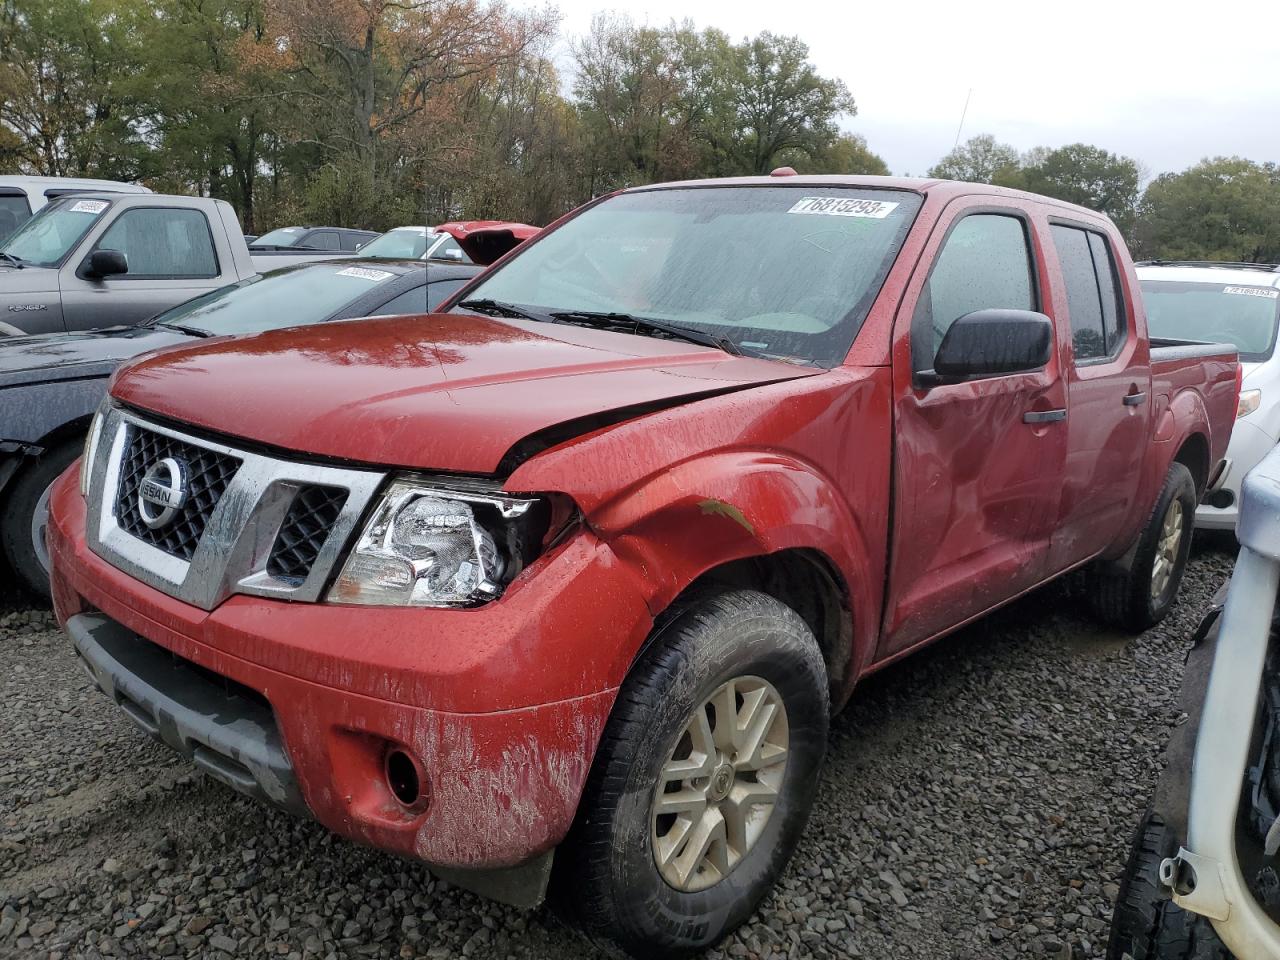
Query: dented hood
442, 392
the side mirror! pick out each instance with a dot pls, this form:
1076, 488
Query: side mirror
107, 263
990, 343
451, 254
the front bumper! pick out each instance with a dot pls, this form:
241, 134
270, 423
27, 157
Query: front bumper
500, 707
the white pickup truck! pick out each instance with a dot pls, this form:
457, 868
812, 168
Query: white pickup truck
93, 260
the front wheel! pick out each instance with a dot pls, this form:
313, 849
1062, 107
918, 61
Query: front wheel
703, 779
1140, 595
24, 515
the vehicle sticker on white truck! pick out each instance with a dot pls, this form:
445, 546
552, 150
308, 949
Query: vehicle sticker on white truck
89, 206
364, 273
844, 207
1271, 293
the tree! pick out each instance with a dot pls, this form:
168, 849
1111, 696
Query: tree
782, 103
980, 159
1226, 208
848, 154
63, 68
1087, 175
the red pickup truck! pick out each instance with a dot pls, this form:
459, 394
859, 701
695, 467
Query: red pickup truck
557, 591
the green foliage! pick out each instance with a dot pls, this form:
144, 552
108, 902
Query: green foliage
1089, 176
981, 159
1226, 208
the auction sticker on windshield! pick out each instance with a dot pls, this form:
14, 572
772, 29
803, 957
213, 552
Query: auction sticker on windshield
364, 273
89, 206
1271, 293
844, 207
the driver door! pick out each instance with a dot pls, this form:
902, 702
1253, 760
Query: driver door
977, 464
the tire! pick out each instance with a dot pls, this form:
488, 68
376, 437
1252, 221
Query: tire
1147, 925
606, 880
1124, 596
25, 508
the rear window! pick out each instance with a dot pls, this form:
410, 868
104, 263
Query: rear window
1244, 315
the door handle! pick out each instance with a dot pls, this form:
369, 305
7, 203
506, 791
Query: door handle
1044, 416
1134, 399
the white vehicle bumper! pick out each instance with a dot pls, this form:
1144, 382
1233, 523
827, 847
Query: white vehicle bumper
1249, 444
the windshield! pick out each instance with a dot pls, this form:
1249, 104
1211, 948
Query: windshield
284, 237
1243, 315
403, 243
289, 298
47, 238
786, 272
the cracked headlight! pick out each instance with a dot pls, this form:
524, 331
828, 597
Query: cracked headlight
438, 544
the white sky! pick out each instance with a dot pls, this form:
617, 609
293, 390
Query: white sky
1164, 82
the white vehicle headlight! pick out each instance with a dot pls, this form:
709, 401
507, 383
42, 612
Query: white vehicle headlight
90, 449
1250, 400
433, 544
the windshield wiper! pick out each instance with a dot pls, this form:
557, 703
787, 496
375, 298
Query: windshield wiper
500, 308
192, 331
611, 319
16, 261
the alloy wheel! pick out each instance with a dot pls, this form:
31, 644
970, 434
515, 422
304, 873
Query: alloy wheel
720, 784
1167, 549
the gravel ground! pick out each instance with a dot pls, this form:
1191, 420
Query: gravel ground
977, 802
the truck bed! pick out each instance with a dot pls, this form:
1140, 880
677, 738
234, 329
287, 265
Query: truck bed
1179, 366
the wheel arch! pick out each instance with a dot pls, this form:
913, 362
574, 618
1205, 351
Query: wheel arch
1193, 454
804, 579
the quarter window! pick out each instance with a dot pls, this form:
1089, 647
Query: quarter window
985, 263
1096, 315
163, 243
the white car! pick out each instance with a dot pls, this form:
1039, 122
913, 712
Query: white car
1237, 303
20, 197
415, 243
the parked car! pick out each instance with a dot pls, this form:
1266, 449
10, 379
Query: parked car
50, 384
1203, 879
441, 243
101, 259
329, 239
20, 197
558, 590
1237, 303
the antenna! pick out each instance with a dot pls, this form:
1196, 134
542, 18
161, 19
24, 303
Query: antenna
962, 116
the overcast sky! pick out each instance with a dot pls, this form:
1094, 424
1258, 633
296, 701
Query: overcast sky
1163, 82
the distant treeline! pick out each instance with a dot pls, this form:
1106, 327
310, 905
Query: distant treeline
373, 113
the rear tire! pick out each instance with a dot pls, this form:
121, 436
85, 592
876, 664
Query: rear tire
1138, 596
607, 879
25, 514
1147, 925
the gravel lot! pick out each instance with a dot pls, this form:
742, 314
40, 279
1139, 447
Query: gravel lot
977, 802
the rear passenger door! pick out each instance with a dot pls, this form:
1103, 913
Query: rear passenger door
171, 258
1108, 379
976, 463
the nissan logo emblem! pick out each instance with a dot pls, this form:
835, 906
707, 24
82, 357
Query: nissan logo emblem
162, 492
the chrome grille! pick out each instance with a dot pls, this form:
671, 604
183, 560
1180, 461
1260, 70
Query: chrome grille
208, 473
251, 522
306, 527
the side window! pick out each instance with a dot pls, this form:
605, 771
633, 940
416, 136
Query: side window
323, 240
984, 263
1097, 319
14, 212
1114, 322
163, 243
